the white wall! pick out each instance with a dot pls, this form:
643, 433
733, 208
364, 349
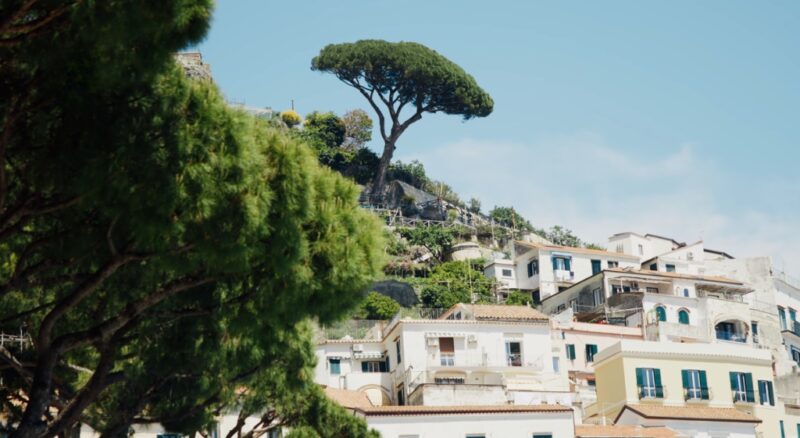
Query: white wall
516, 425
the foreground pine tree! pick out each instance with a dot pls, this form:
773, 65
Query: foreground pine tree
161, 249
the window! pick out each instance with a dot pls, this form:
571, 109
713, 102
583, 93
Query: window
472, 435
670, 268
661, 313
792, 318
686, 292
448, 380
641, 249
649, 382
596, 267
562, 264
397, 348
573, 304
556, 364
782, 317
683, 316
506, 272
598, 297
591, 350
766, 396
616, 289
754, 331
542, 435
652, 290
447, 352
571, 351
401, 396
335, 367
689, 256
613, 264
742, 387
373, 366
695, 385
654, 266
514, 354
796, 355
620, 248
169, 435
533, 267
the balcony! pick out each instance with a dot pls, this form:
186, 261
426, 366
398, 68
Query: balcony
696, 394
740, 396
514, 360
650, 392
562, 275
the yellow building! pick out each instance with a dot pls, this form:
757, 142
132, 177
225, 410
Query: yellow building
700, 390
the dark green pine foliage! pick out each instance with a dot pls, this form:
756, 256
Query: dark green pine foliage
398, 77
162, 250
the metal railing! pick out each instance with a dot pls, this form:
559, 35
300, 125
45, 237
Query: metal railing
743, 396
650, 392
514, 360
730, 336
696, 393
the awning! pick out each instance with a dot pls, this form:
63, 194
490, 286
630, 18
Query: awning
368, 355
338, 355
445, 335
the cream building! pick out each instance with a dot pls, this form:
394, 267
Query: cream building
700, 390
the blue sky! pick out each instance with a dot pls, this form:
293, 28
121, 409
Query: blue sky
679, 118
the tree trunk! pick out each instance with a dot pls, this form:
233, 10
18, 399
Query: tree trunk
32, 424
379, 183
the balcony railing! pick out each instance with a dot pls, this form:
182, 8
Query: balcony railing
447, 359
743, 396
696, 393
651, 392
730, 336
514, 360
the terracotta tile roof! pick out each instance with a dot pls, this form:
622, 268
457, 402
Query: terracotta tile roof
349, 399
621, 431
677, 275
498, 312
433, 410
691, 413
575, 250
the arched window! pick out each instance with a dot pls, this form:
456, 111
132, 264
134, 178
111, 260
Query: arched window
683, 316
661, 313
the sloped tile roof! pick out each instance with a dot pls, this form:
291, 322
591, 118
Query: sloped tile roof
691, 413
349, 399
623, 431
498, 312
493, 409
572, 249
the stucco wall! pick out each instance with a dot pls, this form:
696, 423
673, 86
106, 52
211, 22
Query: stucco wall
560, 425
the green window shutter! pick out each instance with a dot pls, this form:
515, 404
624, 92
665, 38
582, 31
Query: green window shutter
657, 378
571, 351
639, 380
734, 381
364, 367
771, 394
683, 317
748, 382
568, 264
685, 378
783, 433
762, 392
555, 263
704, 385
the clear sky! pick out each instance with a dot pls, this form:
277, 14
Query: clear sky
678, 118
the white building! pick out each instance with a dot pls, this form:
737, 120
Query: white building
496, 421
667, 305
470, 355
545, 269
